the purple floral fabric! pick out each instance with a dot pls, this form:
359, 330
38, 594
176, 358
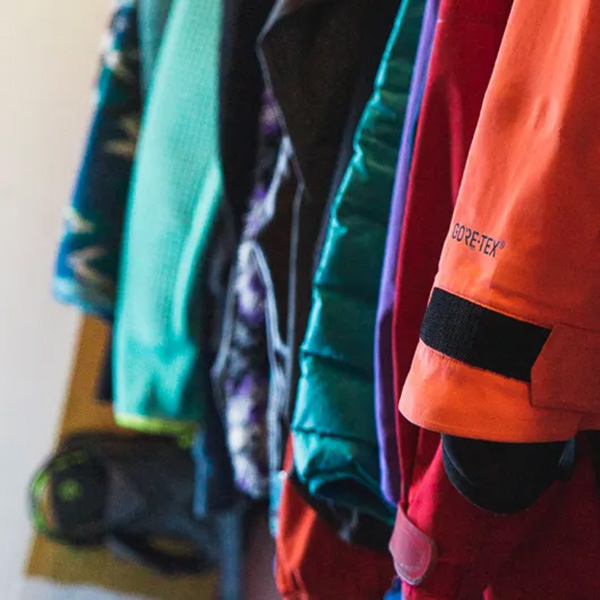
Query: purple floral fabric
246, 373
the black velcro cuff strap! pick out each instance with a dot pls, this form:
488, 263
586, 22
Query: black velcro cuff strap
481, 337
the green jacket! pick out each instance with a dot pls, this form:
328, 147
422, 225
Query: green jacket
160, 366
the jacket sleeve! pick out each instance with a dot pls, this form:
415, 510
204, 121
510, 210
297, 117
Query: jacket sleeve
510, 343
161, 354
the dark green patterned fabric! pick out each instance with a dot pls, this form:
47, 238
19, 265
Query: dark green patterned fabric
90, 250
88, 256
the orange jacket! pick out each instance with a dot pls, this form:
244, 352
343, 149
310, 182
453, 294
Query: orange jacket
510, 344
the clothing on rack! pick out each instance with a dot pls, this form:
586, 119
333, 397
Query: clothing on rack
318, 57
161, 373
476, 545
352, 524
350, 264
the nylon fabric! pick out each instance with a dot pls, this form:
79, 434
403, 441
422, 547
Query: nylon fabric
312, 563
530, 183
153, 16
474, 544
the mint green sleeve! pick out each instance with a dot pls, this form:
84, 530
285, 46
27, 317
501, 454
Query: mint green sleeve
161, 375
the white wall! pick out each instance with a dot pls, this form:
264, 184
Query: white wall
48, 54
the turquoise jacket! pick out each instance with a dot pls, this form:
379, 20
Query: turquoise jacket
335, 443
161, 370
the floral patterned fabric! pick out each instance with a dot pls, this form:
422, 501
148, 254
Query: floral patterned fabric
245, 373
